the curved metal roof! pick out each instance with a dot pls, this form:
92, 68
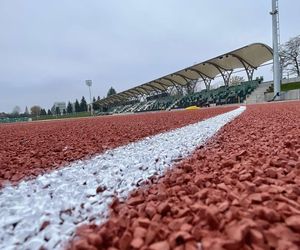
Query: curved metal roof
248, 57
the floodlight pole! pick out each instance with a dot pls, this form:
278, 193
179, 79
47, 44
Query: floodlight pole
276, 62
91, 104
89, 84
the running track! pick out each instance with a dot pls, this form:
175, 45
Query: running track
239, 191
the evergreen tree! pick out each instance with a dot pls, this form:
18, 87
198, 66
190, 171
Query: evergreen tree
43, 112
49, 112
57, 111
69, 108
83, 105
26, 111
97, 105
111, 91
77, 106
94, 103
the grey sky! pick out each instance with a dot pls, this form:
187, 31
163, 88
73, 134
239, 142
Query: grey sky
48, 48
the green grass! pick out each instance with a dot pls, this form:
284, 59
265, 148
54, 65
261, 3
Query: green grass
51, 117
290, 86
286, 87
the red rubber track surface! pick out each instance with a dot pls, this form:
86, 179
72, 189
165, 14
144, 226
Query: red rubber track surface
30, 149
241, 191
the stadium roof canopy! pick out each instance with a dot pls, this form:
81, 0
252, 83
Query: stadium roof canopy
249, 57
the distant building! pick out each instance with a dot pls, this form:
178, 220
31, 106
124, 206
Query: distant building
73, 107
3, 114
61, 105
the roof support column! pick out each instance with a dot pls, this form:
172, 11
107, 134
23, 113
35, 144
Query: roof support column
177, 85
249, 72
190, 83
226, 76
247, 66
207, 83
191, 86
207, 80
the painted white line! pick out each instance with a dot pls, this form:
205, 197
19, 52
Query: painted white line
67, 198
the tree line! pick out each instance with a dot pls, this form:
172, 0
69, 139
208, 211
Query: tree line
76, 107
290, 65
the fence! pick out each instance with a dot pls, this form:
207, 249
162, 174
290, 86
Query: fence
12, 120
51, 117
287, 95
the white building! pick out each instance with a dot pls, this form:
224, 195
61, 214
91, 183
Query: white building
61, 105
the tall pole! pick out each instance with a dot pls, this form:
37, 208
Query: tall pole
276, 62
91, 104
89, 84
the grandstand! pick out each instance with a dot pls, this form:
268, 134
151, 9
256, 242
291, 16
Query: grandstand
177, 90
220, 96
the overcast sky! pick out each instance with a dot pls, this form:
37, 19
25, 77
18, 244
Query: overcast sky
48, 48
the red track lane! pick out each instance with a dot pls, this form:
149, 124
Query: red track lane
242, 191
29, 149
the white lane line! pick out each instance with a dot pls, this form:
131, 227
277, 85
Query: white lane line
67, 198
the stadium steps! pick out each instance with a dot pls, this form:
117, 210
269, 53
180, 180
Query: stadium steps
174, 103
131, 108
142, 106
147, 105
126, 107
258, 95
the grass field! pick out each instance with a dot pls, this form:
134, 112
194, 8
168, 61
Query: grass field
290, 86
51, 117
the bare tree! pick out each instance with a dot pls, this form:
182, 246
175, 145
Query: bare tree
235, 80
35, 110
290, 56
191, 86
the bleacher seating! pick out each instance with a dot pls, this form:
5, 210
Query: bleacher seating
122, 108
165, 101
220, 96
160, 104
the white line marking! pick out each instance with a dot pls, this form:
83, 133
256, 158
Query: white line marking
67, 197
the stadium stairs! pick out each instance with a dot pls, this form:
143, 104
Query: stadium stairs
174, 103
258, 95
